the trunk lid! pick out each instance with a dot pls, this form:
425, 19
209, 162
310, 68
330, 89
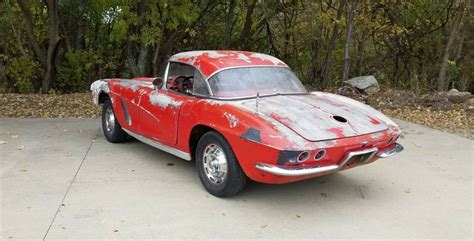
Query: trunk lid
317, 118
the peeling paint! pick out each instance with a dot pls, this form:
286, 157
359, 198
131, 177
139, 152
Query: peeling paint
269, 58
252, 134
338, 131
233, 121
134, 84
376, 135
211, 61
163, 100
99, 86
244, 57
371, 111
373, 120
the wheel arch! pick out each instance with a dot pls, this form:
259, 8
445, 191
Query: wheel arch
196, 133
102, 97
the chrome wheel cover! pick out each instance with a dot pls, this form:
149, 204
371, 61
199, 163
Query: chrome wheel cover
109, 120
215, 163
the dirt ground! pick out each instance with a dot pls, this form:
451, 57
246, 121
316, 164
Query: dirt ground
433, 110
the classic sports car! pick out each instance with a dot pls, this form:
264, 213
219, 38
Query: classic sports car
243, 115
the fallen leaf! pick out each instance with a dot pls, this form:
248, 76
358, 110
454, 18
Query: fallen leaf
14, 136
22, 170
3, 142
20, 147
264, 226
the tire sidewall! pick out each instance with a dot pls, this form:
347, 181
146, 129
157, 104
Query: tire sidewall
233, 168
117, 134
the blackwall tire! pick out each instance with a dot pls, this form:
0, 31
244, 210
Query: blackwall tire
113, 132
211, 152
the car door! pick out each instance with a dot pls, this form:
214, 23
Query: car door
160, 108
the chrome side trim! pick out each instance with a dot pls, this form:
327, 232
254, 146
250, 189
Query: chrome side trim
284, 171
388, 153
181, 154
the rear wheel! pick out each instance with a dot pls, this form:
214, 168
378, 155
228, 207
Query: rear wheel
217, 166
113, 132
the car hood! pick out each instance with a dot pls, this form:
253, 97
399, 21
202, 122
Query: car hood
319, 116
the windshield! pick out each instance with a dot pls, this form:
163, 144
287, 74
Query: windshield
248, 81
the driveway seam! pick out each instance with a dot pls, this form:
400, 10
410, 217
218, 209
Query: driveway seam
70, 185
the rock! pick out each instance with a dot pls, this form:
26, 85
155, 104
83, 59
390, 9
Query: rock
362, 82
456, 96
469, 102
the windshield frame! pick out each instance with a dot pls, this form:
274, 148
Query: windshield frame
250, 96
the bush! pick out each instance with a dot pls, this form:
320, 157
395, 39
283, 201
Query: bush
24, 71
73, 73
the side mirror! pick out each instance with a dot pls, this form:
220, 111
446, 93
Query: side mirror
158, 82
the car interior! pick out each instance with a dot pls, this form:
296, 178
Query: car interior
181, 84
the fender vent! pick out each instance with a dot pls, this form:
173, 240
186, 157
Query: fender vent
125, 112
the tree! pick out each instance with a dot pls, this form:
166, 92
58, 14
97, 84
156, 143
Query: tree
328, 63
48, 60
347, 54
447, 51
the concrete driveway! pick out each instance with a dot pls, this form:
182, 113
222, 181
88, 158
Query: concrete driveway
61, 180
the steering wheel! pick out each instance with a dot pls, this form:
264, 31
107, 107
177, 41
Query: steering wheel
181, 84
187, 85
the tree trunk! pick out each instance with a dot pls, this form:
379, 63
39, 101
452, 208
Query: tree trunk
332, 42
452, 36
247, 29
460, 45
229, 24
347, 50
142, 60
39, 52
131, 59
81, 25
360, 53
53, 46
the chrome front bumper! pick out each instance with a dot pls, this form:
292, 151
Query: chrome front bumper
282, 171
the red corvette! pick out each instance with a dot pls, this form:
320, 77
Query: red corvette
243, 115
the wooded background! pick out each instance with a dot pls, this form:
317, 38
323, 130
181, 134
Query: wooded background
61, 46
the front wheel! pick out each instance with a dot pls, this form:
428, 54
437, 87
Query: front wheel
112, 130
217, 166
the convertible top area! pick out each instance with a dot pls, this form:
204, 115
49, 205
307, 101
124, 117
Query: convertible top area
212, 61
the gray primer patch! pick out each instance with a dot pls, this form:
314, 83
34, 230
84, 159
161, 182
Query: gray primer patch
233, 121
286, 156
252, 134
163, 100
98, 87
